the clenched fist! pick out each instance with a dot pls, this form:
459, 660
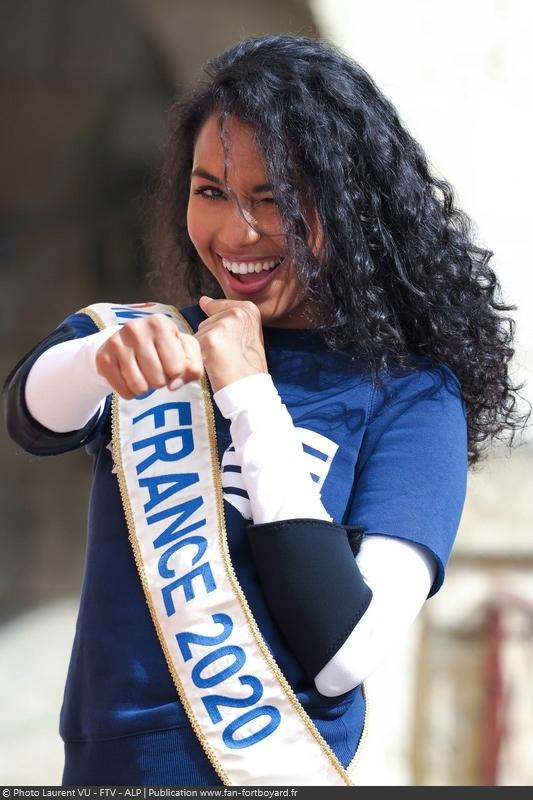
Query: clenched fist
148, 353
231, 341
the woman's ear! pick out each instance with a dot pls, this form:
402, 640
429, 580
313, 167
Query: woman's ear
316, 237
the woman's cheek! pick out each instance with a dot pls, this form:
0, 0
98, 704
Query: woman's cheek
197, 228
193, 228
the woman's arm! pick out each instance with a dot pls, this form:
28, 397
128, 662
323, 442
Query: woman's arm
54, 396
48, 420
269, 451
400, 575
312, 583
389, 579
60, 387
63, 389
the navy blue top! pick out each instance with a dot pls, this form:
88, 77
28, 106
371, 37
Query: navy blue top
391, 459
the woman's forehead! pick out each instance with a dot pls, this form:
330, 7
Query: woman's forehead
230, 148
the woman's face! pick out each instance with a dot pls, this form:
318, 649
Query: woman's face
236, 228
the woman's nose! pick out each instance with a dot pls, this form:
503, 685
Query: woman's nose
240, 229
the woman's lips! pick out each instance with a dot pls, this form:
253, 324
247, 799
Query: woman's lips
250, 282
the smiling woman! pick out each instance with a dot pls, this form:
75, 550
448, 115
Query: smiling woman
280, 467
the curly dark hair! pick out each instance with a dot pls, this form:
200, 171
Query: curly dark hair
399, 274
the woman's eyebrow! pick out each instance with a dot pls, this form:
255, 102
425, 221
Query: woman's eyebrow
203, 173
199, 172
261, 187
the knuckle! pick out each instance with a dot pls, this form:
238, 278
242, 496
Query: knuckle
129, 327
136, 330
208, 335
112, 346
103, 358
156, 380
138, 385
239, 312
250, 309
194, 367
158, 383
128, 334
158, 322
212, 339
225, 322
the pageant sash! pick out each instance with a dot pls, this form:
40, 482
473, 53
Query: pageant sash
246, 716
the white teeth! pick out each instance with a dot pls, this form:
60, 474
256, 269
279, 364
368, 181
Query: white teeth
244, 267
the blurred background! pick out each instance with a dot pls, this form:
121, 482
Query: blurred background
85, 88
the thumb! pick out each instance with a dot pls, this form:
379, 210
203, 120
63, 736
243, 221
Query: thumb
210, 305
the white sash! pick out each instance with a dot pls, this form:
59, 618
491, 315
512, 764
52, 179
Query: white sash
249, 721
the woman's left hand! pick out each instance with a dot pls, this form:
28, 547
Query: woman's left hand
231, 341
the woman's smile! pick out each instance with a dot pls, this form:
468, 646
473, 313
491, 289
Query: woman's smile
250, 275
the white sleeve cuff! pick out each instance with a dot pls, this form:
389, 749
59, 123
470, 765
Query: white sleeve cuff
246, 393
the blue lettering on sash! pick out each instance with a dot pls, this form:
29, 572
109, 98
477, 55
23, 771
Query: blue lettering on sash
177, 483
145, 395
122, 313
176, 418
186, 581
199, 541
159, 411
159, 440
232, 660
181, 513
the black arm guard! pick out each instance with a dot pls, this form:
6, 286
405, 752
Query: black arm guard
21, 426
312, 584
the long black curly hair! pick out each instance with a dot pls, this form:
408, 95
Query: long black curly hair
399, 274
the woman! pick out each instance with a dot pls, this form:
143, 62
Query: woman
357, 354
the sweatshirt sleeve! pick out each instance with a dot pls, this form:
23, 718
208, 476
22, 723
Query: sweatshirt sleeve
30, 433
411, 474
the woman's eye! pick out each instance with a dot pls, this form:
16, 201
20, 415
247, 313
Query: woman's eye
210, 192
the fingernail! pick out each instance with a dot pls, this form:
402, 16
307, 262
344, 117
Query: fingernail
176, 383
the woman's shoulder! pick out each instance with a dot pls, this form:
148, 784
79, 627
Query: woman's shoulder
427, 383
81, 322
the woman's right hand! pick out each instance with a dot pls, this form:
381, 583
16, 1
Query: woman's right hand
149, 353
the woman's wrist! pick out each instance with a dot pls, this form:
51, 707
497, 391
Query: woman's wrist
247, 393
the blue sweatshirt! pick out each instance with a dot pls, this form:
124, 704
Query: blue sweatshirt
392, 459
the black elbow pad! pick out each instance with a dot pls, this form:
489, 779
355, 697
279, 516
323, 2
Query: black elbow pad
312, 584
20, 425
